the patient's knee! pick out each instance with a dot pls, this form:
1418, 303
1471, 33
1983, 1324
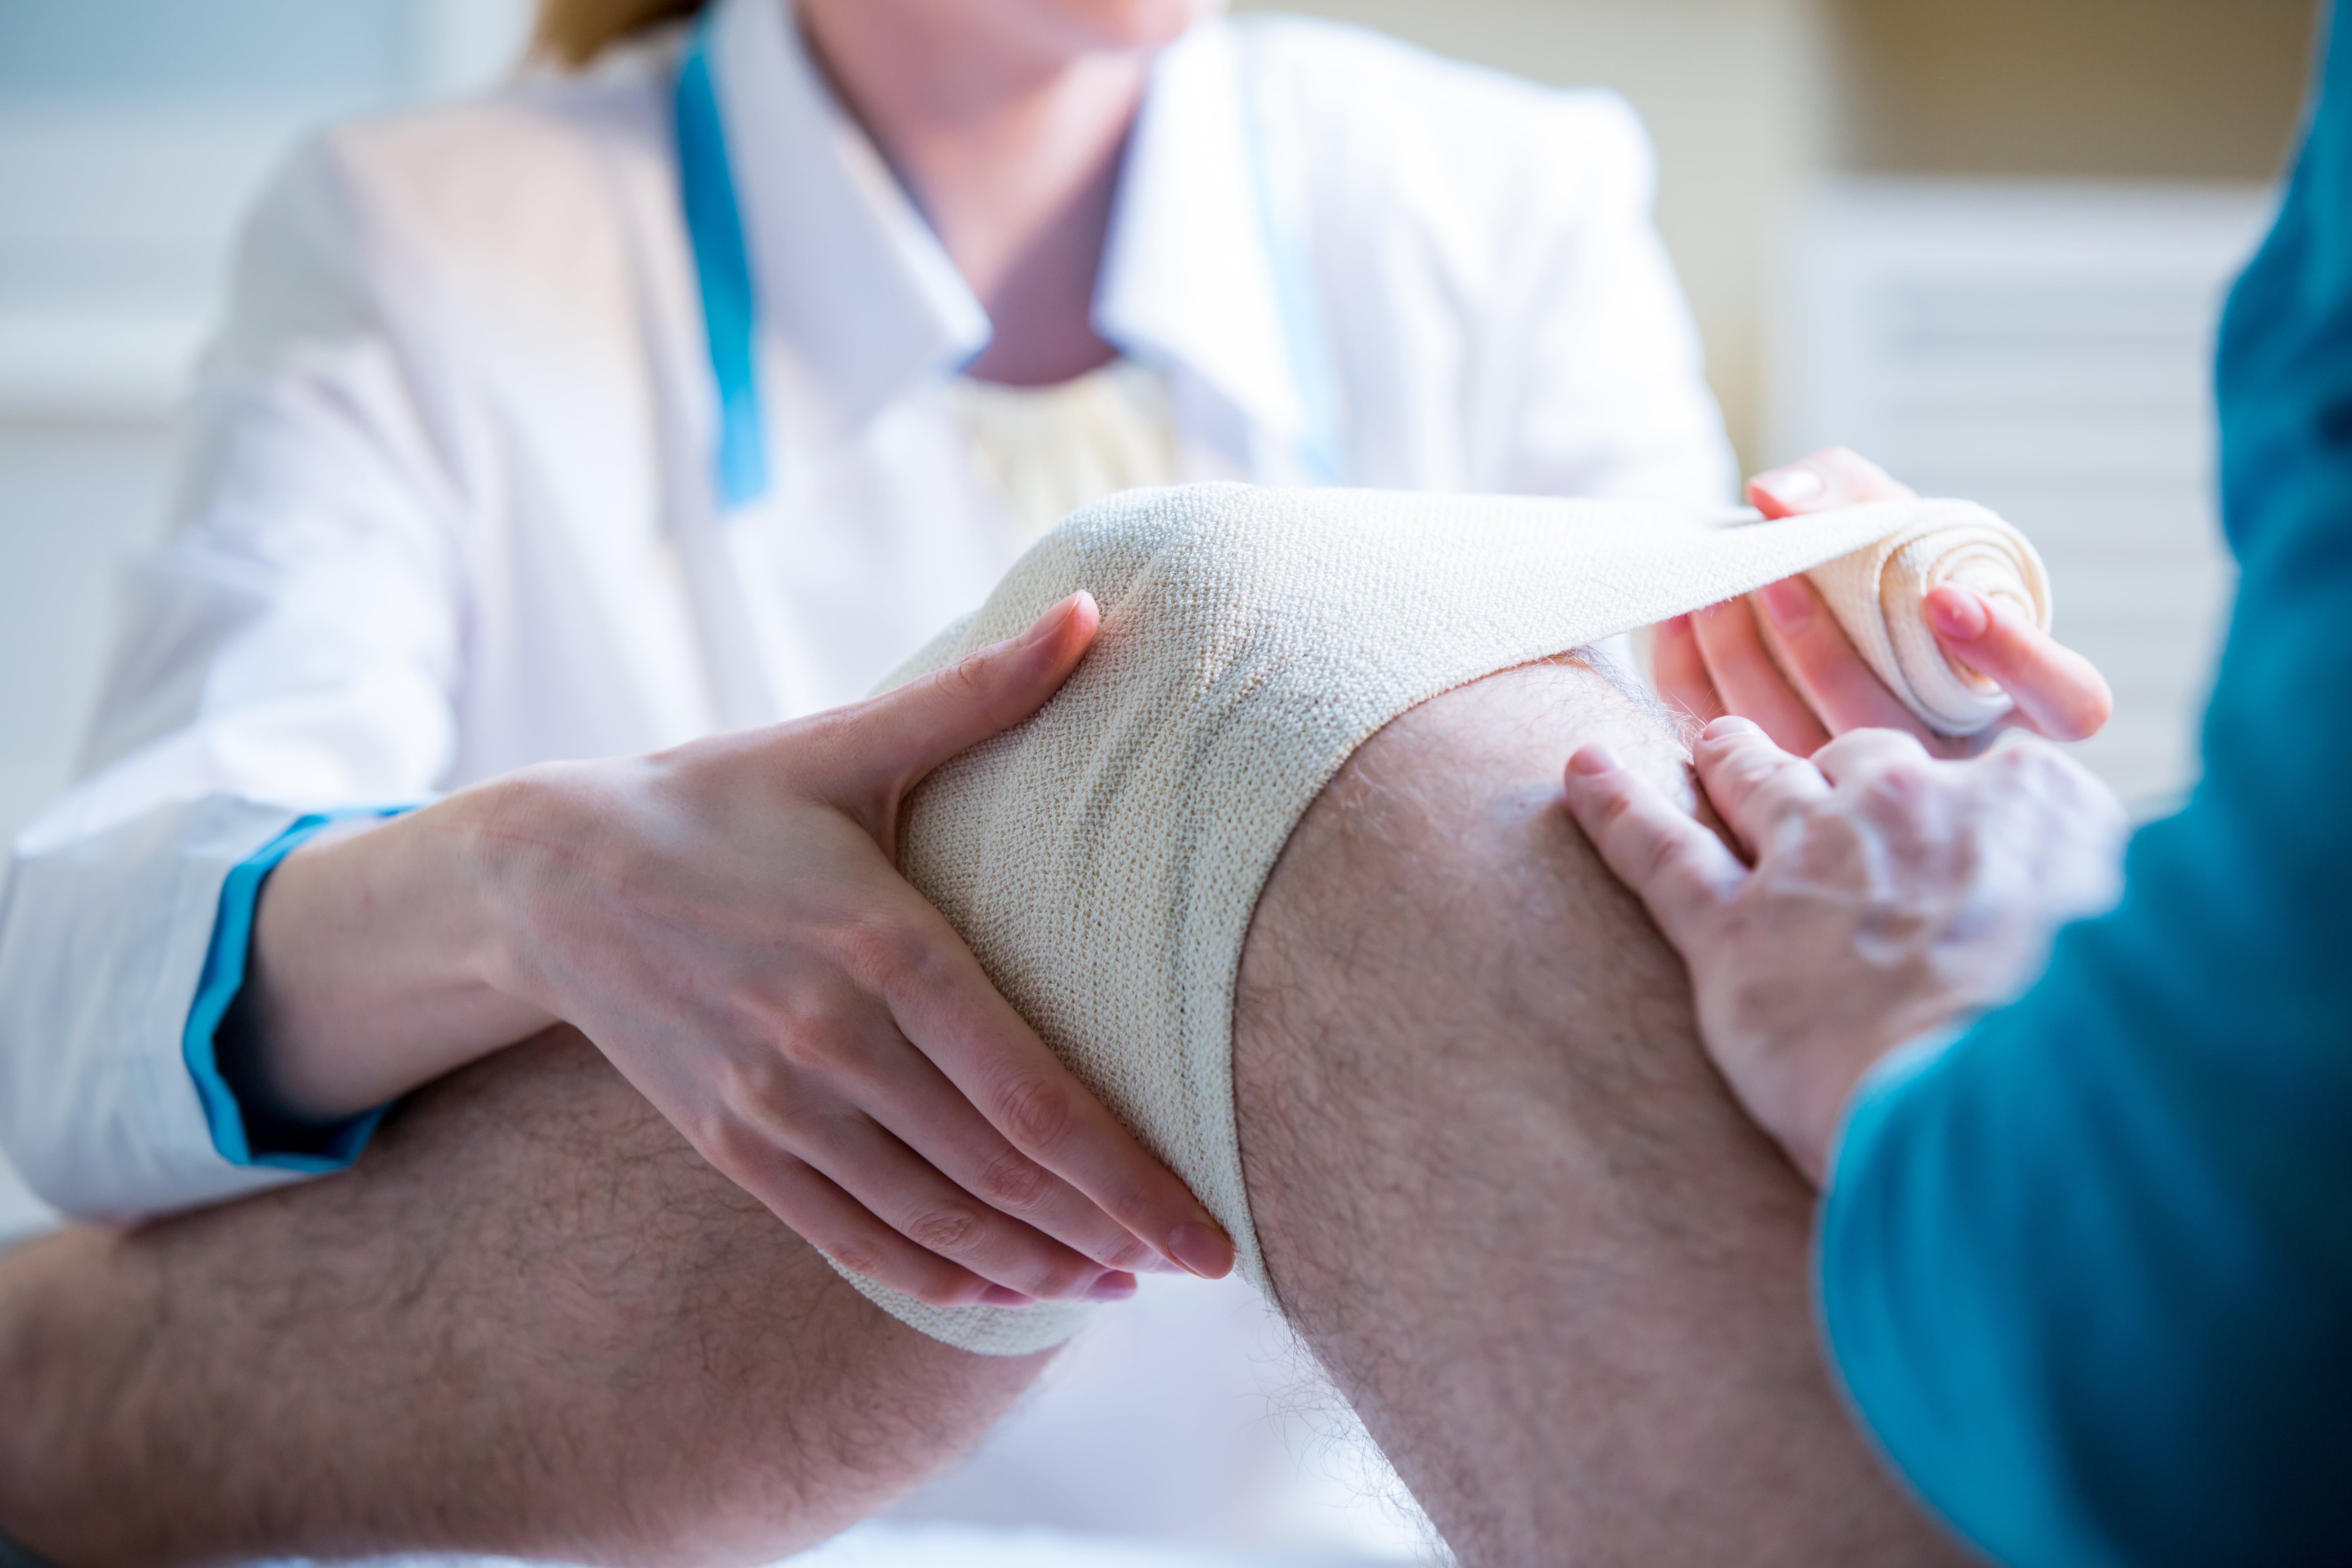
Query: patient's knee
1440, 963
1447, 831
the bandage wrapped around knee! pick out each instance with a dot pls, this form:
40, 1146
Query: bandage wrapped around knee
1103, 860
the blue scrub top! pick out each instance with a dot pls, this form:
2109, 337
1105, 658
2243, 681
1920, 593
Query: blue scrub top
2087, 1271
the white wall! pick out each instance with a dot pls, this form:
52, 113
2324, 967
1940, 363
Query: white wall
1739, 98
133, 133
2045, 348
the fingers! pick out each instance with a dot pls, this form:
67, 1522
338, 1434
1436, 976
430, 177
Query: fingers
847, 1232
899, 1186
1673, 863
913, 1101
1680, 670
1753, 782
1819, 658
893, 740
946, 1007
1833, 477
1851, 758
1749, 683
2058, 692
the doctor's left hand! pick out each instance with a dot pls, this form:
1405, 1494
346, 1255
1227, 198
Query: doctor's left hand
726, 923
1778, 658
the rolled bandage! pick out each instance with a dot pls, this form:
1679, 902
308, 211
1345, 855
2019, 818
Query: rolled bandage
1877, 594
1103, 860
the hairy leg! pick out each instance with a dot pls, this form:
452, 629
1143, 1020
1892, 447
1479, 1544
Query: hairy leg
1502, 1194
530, 1321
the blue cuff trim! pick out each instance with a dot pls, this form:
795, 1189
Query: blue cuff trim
216, 988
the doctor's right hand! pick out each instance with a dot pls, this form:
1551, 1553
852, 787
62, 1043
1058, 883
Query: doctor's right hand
1779, 659
726, 923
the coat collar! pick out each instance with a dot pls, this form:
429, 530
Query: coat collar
855, 288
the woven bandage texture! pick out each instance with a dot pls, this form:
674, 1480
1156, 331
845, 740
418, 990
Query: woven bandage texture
1103, 858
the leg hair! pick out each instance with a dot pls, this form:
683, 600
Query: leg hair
1504, 1196
530, 1321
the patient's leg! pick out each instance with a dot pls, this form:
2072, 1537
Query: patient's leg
530, 1321
1500, 1190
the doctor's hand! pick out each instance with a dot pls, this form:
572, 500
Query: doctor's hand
1875, 895
726, 923
1778, 656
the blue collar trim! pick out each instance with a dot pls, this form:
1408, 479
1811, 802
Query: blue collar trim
722, 269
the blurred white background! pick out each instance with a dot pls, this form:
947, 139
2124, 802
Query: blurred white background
132, 135
1984, 240
133, 131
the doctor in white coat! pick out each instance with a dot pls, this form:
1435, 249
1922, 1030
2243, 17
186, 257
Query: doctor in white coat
685, 393
568, 460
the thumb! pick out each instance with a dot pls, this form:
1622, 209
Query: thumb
903, 734
1833, 477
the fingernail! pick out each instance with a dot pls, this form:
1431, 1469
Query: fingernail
1051, 621
1111, 1288
1958, 613
1202, 1250
1790, 603
1594, 761
998, 1296
1790, 486
1732, 724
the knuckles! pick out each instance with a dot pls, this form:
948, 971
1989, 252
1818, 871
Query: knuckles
881, 953
948, 1231
858, 1257
1034, 1112
1906, 784
1014, 1182
735, 1148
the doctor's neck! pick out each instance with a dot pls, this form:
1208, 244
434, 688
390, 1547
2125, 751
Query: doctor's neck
1005, 121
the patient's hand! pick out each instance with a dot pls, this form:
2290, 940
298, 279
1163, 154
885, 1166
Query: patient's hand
1779, 658
1876, 895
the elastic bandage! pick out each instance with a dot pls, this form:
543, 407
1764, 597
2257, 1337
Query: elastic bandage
1103, 860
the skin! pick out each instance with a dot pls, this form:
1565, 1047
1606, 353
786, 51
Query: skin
837, 1052
1872, 894
530, 1323
534, 1227
724, 921
1006, 120
1504, 1198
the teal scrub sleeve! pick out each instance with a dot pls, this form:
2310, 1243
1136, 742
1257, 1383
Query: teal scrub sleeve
2086, 1272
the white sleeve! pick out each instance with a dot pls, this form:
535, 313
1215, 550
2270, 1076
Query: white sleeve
1613, 395
292, 646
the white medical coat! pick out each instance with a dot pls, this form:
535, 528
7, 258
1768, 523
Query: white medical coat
447, 510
